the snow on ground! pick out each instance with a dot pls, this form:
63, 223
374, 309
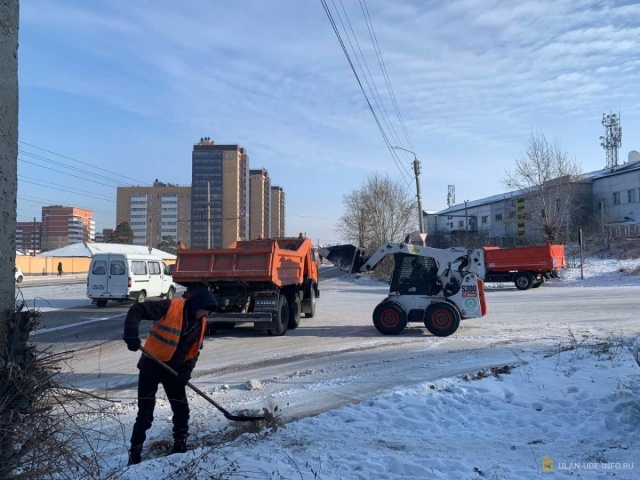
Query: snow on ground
572, 413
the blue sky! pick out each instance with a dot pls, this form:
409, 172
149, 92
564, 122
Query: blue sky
124, 89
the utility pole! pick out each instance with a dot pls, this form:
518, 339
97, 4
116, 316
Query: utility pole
416, 171
466, 224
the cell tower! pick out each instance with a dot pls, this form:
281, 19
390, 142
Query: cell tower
451, 196
613, 138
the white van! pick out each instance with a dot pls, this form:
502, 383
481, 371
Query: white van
128, 276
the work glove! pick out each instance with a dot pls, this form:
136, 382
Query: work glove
133, 343
183, 378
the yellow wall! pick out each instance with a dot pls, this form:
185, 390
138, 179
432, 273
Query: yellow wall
49, 265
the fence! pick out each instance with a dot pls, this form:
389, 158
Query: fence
49, 265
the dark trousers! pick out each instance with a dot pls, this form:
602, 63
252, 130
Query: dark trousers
151, 375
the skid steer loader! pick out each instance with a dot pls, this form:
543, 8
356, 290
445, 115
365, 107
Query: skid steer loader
437, 287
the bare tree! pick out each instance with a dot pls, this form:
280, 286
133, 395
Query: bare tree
380, 211
547, 180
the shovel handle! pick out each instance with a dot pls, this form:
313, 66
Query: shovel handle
224, 411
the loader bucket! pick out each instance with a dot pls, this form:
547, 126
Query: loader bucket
346, 257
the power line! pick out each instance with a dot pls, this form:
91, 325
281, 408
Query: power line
63, 189
83, 163
353, 69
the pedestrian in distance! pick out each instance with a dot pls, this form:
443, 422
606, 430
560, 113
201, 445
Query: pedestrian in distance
176, 338
59, 269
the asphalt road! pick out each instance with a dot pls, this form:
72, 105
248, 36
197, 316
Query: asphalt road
338, 354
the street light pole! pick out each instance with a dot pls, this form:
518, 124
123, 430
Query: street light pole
416, 171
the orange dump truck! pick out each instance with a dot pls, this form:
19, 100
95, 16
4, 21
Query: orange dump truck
526, 267
267, 282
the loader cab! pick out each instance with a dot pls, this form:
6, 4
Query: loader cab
415, 275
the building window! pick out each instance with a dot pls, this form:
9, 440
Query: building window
512, 214
631, 196
461, 223
616, 198
498, 217
484, 219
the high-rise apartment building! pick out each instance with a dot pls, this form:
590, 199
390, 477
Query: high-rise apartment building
161, 210
219, 194
277, 212
259, 204
62, 226
28, 236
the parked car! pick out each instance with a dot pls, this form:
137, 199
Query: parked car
19, 275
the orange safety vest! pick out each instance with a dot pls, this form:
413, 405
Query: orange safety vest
165, 334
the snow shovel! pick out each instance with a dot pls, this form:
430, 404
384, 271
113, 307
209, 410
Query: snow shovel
225, 412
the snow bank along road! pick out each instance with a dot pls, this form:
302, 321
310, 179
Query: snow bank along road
338, 356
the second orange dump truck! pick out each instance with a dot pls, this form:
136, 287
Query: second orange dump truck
267, 282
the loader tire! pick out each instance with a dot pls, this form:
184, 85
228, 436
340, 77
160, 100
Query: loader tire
312, 298
441, 319
389, 318
294, 311
281, 318
523, 280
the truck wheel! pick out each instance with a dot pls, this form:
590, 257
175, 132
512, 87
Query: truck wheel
101, 303
537, 284
171, 293
389, 318
281, 318
294, 311
140, 298
523, 280
441, 319
312, 298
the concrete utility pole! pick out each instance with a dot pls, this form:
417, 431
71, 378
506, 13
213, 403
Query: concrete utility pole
416, 171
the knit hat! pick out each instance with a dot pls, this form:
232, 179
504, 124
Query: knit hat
202, 299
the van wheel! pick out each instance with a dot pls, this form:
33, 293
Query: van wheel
171, 293
101, 303
140, 298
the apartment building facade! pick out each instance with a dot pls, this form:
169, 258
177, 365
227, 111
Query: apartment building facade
62, 226
28, 237
219, 194
277, 212
155, 212
259, 204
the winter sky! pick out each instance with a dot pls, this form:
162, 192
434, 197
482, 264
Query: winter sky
127, 88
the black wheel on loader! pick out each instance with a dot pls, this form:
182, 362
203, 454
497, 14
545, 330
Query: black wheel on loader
389, 318
523, 280
294, 311
281, 318
312, 297
441, 319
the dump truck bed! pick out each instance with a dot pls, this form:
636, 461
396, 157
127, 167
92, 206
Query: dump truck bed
539, 258
280, 261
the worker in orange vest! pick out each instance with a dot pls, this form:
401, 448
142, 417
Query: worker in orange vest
176, 338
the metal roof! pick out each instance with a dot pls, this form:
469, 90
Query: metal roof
85, 249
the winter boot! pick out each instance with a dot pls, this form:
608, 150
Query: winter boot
135, 454
179, 445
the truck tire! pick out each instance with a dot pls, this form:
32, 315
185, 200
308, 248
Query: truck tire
523, 280
281, 318
389, 318
101, 303
141, 297
441, 319
312, 298
294, 311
